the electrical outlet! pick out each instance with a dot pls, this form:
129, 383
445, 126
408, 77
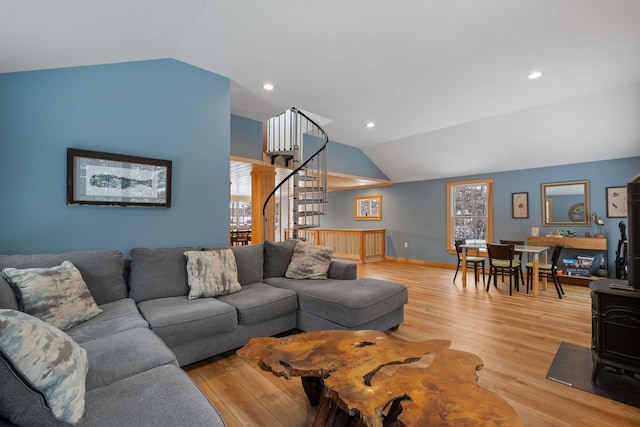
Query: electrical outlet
406, 244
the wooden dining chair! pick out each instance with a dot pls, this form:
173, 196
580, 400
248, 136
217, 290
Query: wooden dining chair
502, 261
546, 270
519, 254
472, 261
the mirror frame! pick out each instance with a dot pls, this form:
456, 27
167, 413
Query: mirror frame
587, 208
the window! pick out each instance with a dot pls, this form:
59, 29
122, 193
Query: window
469, 211
239, 215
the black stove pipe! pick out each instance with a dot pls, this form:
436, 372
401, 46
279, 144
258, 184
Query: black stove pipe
633, 216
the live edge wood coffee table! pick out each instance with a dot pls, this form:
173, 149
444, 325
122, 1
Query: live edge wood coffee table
340, 371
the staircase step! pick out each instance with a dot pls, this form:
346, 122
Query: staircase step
311, 213
303, 226
307, 178
312, 201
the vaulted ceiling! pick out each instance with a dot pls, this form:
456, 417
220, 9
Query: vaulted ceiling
445, 81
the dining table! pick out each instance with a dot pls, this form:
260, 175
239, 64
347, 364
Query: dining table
529, 249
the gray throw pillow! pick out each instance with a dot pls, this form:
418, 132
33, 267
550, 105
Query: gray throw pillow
211, 273
277, 257
309, 262
57, 295
44, 371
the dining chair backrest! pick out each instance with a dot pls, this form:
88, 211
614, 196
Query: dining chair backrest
556, 255
500, 251
513, 242
458, 244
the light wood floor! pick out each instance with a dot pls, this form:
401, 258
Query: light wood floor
516, 337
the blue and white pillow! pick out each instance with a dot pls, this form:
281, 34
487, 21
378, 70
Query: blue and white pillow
58, 295
212, 273
50, 367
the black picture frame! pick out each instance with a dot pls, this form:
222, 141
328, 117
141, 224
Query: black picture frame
520, 205
97, 178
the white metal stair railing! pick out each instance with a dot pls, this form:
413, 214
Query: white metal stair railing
299, 200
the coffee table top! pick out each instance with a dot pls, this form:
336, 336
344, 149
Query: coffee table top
446, 392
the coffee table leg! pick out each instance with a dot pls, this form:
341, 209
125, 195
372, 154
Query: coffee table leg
331, 415
313, 388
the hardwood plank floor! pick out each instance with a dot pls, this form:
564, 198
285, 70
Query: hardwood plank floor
516, 337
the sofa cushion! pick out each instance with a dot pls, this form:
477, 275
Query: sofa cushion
250, 262
56, 295
161, 397
101, 270
259, 302
211, 273
158, 273
277, 257
342, 270
309, 261
116, 317
7, 295
346, 302
179, 319
40, 363
122, 355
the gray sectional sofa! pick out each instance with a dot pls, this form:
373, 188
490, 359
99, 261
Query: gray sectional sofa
149, 327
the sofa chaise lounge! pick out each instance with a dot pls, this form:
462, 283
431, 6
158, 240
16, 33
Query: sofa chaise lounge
149, 326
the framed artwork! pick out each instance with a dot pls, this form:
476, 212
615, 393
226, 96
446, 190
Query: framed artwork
520, 205
617, 202
96, 178
368, 208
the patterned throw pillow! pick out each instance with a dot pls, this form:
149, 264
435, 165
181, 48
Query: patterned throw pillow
48, 364
309, 261
58, 295
211, 273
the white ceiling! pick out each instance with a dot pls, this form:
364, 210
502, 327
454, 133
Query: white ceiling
440, 78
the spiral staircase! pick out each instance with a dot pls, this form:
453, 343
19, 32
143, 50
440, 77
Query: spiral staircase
298, 202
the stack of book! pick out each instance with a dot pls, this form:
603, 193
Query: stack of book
578, 267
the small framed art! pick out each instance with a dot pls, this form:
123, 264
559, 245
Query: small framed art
617, 202
96, 178
520, 205
367, 208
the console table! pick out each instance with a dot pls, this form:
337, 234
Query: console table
585, 243
341, 372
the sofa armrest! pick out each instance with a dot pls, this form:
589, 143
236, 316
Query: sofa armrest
342, 270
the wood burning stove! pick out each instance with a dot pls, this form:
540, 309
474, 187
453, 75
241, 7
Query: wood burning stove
615, 304
616, 327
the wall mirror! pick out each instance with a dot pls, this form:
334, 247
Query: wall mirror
565, 203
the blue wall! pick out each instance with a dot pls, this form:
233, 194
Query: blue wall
416, 212
246, 138
161, 109
351, 161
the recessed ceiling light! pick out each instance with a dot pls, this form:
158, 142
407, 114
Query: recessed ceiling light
267, 86
371, 125
535, 75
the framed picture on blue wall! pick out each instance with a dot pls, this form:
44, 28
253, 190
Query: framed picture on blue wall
520, 205
367, 208
617, 202
97, 178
